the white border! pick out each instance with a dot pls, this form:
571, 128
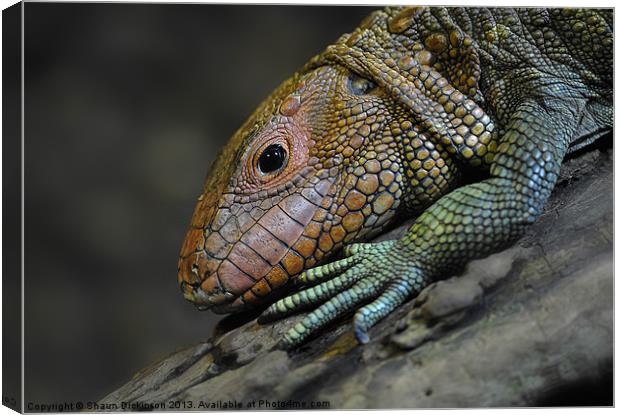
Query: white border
567, 3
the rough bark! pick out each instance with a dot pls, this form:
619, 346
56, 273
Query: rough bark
512, 330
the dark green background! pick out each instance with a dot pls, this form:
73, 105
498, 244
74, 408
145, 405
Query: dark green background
125, 108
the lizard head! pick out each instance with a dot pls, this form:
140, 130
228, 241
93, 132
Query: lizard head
318, 165
306, 173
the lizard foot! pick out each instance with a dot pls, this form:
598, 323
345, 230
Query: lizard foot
372, 273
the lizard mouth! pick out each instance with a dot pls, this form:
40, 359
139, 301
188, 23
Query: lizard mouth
213, 284
208, 278
203, 301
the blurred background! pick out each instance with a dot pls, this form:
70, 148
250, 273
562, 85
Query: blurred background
125, 108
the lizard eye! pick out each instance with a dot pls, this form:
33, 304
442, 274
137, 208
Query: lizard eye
273, 158
359, 85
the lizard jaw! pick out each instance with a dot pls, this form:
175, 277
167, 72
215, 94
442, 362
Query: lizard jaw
203, 301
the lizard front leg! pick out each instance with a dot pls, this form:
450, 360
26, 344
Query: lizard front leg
471, 222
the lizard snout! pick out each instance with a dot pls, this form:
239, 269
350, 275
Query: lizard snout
201, 276
192, 292
197, 284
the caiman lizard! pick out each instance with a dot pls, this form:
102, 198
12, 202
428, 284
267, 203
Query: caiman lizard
388, 123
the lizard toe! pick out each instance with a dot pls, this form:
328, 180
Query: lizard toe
366, 317
312, 296
324, 272
342, 303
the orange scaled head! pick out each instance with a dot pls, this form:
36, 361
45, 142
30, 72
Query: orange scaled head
297, 181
